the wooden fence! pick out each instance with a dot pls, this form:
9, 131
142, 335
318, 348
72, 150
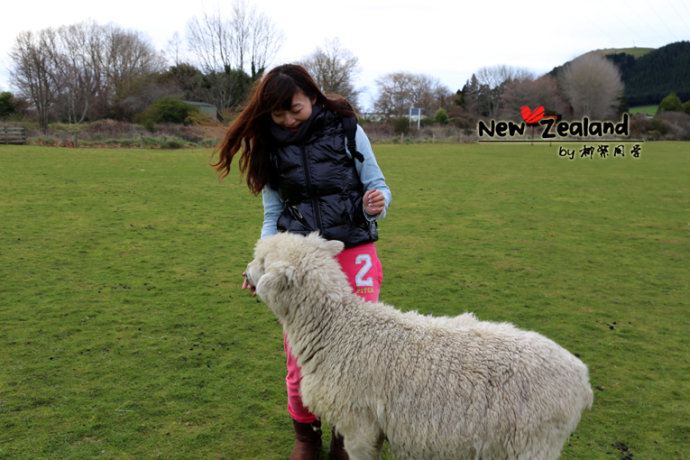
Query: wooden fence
12, 134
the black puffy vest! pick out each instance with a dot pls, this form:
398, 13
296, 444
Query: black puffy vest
319, 185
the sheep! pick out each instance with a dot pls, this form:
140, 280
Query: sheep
434, 388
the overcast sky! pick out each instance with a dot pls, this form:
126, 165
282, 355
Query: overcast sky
446, 39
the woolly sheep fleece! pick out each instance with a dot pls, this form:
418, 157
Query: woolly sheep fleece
434, 387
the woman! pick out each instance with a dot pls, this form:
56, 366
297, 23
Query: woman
316, 171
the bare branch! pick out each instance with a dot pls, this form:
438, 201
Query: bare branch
334, 68
245, 40
400, 91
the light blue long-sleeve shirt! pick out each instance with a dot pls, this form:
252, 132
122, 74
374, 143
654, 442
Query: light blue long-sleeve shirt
369, 174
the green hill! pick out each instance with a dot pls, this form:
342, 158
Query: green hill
635, 51
650, 74
606, 52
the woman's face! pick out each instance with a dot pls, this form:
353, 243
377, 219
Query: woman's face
300, 110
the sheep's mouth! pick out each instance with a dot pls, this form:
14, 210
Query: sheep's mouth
250, 282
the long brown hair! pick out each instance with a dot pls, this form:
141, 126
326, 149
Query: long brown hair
250, 132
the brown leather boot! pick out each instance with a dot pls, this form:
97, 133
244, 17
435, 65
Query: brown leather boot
307, 441
337, 451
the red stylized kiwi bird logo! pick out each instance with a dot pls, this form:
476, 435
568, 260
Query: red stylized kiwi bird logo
530, 116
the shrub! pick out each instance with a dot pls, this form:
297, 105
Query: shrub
401, 125
44, 140
464, 121
659, 128
670, 103
148, 141
110, 128
198, 118
441, 117
171, 143
686, 107
188, 133
209, 143
167, 110
677, 125
424, 122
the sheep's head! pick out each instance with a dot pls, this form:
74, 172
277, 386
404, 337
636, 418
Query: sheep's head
280, 263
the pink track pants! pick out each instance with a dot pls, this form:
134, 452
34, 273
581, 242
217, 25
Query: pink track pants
363, 269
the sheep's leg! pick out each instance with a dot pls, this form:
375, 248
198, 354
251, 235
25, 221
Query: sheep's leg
363, 442
546, 444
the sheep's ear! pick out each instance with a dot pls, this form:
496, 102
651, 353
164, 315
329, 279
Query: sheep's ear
285, 271
314, 238
268, 288
278, 276
334, 247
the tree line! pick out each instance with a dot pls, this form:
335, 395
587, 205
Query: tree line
88, 71
82, 71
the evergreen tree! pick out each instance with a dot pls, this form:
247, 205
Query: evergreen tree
7, 104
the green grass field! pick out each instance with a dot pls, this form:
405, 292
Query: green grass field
124, 334
646, 109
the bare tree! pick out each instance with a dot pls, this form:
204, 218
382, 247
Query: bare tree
210, 41
128, 57
533, 93
396, 94
130, 60
174, 51
245, 40
76, 52
431, 94
33, 74
264, 43
334, 67
492, 81
82, 70
495, 76
400, 91
232, 50
592, 84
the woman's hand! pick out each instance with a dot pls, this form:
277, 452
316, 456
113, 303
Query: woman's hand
374, 202
246, 285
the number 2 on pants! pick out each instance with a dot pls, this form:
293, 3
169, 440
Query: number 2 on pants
360, 281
